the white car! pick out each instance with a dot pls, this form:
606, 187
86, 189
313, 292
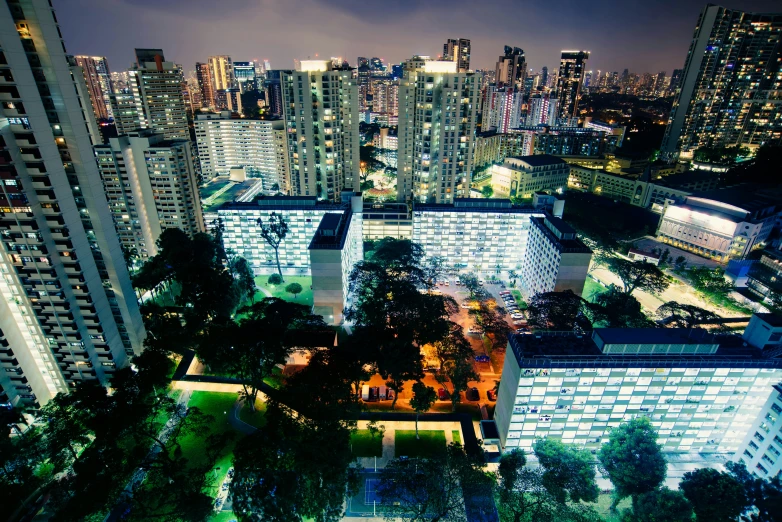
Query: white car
516, 316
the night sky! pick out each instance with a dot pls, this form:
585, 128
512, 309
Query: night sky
643, 36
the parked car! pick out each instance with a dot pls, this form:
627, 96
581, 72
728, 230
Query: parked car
458, 283
442, 394
482, 358
522, 330
504, 292
472, 394
447, 283
517, 316
491, 395
474, 330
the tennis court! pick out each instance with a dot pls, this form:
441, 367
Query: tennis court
366, 502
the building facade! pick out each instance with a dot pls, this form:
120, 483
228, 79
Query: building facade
320, 106
68, 312
222, 73
730, 88
338, 244
457, 50
437, 118
151, 184
523, 176
556, 259
98, 79
260, 146
722, 225
204, 77
156, 86
700, 392
572, 67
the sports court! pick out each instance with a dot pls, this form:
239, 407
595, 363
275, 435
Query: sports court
366, 502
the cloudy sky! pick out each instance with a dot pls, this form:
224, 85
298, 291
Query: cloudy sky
642, 35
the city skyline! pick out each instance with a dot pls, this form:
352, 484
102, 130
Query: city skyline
281, 32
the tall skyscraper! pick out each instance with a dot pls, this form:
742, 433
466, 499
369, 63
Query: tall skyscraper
98, 79
320, 106
572, 67
458, 50
437, 117
544, 77
68, 312
204, 76
156, 86
151, 184
731, 93
222, 70
542, 110
273, 92
511, 68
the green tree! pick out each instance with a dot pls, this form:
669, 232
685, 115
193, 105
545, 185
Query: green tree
632, 459
710, 281
293, 468
715, 496
569, 473
275, 279
616, 309
392, 307
521, 495
430, 489
294, 289
460, 372
274, 231
422, 401
487, 191
764, 496
558, 311
680, 315
659, 505
243, 275
472, 284
251, 348
638, 275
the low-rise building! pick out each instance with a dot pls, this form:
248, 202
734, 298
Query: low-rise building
765, 276
523, 176
722, 225
701, 392
642, 256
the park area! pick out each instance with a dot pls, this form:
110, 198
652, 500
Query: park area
267, 290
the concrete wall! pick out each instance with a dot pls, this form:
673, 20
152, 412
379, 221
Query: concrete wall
572, 272
507, 394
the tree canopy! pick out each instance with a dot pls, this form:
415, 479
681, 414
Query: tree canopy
616, 309
715, 496
637, 275
678, 315
558, 311
633, 459
569, 473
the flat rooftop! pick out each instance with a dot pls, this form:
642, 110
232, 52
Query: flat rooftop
332, 231
655, 336
540, 160
571, 350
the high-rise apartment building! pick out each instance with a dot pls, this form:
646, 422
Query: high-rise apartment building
437, 117
244, 73
125, 110
458, 50
572, 67
156, 86
511, 68
731, 91
68, 311
151, 184
273, 91
501, 109
258, 145
676, 80
222, 71
542, 109
320, 106
98, 79
204, 76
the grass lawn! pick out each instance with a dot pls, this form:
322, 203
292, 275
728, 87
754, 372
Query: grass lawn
219, 406
305, 297
363, 445
519, 300
223, 516
253, 418
592, 289
603, 506
457, 436
431, 442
